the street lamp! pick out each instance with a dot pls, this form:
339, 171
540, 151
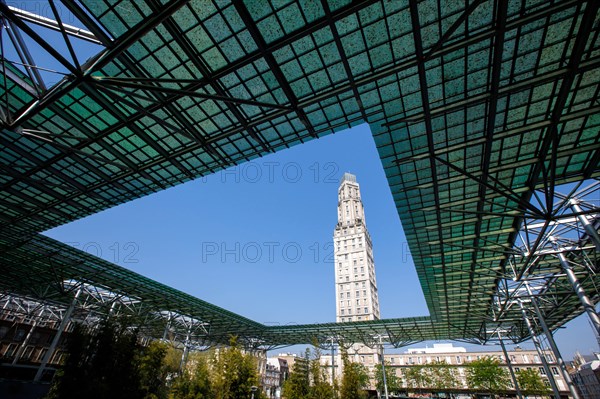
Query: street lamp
253, 389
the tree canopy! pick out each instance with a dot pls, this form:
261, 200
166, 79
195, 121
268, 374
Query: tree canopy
355, 379
297, 385
110, 363
233, 373
487, 375
194, 382
394, 383
442, 377
308, 379
417, 378
531, 382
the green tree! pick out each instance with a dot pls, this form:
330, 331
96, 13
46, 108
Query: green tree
297, 385
320, 387
154, 370
417, 377
355, 379
487, 375
393, 382
194, 382
233, 373
531, 383
100, 365
442, 377
173, 360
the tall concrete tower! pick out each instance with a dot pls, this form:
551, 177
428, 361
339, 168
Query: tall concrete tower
355, 284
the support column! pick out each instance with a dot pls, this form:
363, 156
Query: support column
587, 226
333, 367
165, 333
185, 349
66, 319
540, 352
383, 369
550, 337
588, 306
28, 337
510, 367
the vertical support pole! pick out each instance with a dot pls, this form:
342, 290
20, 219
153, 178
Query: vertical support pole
588, 306
540, 352
166, 330
587, 226
383, 369
63, 324
333, 366
510, 367
28, 337
559, 359
185, 349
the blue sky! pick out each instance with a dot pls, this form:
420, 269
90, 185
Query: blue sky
257, 239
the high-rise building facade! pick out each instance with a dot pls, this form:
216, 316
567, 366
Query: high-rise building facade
355, 284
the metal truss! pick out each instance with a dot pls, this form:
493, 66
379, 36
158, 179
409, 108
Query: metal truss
547, 251
16, 25
22, 310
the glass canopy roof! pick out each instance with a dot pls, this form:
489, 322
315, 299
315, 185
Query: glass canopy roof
474, 107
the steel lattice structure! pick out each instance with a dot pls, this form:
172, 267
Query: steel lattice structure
483, 112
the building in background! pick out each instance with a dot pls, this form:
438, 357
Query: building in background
459, 357
27, 330
357, 300
356, 293
355, 283
277, 372
456, 358
585, 373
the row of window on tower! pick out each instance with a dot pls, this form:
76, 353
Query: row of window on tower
348, 302
357, 311
346, 277
346, 287
344, 273
369, 262
346, 231
362, 269
346, 242
349, 192
357, 294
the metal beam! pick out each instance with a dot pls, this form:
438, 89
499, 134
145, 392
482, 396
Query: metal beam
130, 82
510, 367
17, 21
587, 304
587, 226
416, 29
61, 328
540, 351
273, 65
550, 338
55, 25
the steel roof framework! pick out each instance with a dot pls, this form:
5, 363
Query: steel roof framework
478, 111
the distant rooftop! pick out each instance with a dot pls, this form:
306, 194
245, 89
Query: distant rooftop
439, 348
348, 177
